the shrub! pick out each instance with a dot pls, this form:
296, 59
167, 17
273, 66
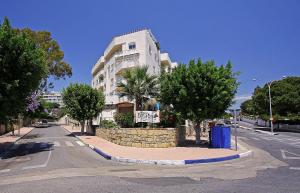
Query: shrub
108, 124
124, 119
168, 118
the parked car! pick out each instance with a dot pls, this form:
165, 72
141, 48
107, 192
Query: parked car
228, 122
41, 124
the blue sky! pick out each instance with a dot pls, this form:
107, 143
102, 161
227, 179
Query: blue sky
260, 37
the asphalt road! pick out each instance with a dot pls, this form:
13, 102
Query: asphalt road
45, 149
75, 168
285, 146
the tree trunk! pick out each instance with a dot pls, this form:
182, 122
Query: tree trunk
5, 126
89, 127
134, 110
82, 127
12, 127
138, 102
198, 131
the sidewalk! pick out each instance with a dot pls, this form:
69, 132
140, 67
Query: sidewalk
172, 156
8, 139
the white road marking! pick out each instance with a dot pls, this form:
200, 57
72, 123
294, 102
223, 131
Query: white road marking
15, 146
284, 155
22, 159
290, 139
80, 143
68, 143
39, 166
52, 138
281, 140
255, 138
56, 143
30, 145
295, 143
18, 159
265, 138
294, 168
10, 160
5, 170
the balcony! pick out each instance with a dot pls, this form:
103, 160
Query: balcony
126, 62
165, 60
112, 99
113, 50
124, 66
98, 66
99, 86
126, 52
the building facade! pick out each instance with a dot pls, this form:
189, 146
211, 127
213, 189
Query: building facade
138, 48
53, 97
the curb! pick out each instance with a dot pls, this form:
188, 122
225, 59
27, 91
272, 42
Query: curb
265, 132
169, 162
164, 162
259, 131
106, 156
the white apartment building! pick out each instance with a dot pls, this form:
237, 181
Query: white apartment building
53, 97
138, 48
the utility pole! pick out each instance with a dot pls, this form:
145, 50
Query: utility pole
235, 130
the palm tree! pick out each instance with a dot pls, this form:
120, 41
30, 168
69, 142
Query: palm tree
138, 85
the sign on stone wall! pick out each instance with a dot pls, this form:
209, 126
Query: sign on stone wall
147, 116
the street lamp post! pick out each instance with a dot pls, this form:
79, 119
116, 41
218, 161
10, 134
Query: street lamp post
270, 101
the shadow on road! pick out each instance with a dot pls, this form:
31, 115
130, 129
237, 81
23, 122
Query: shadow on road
4, 146
26, 149
31, 136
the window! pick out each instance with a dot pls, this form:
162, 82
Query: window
131, 46
150, 51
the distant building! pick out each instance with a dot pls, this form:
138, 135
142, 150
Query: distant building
138, 48
53, 97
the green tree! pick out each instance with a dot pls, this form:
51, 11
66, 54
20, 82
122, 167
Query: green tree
199, 91
58, 68
82, 102
22, 68
285, 95
49, 105
247, 107
138, 85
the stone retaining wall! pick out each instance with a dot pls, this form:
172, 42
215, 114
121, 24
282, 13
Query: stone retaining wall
141, 137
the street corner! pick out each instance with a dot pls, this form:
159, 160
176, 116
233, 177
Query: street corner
176, 156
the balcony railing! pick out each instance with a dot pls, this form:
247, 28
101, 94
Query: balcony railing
125, 62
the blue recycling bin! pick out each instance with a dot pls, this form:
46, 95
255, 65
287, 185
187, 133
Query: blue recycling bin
220, 137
